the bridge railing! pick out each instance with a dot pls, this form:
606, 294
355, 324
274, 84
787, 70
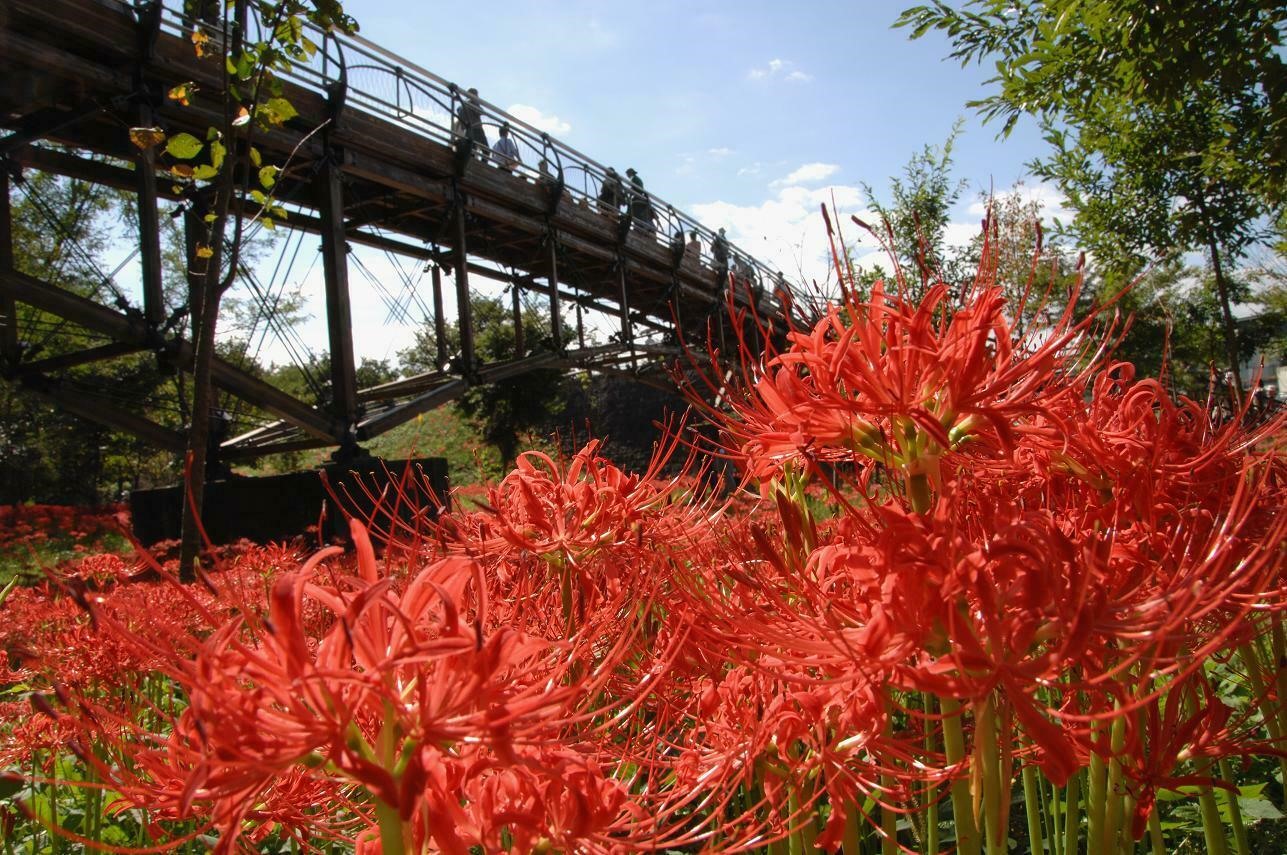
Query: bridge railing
379, 82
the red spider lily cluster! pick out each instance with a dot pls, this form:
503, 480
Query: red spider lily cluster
973, 555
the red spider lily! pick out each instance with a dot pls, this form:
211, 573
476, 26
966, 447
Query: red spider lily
353, 681
898, 384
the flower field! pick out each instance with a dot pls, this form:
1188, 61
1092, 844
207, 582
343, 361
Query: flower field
980, 589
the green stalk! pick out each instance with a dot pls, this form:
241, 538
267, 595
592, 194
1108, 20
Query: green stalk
1270, 710
853, 831
919, 492
795, 840
1241, 844
55, 839
967, 833
888, 818
988, 755
931, 795
1113, 791
1157, 843
1032, 806
1279, 648
1056, 805
390, 829
1095, 797
1212, 827
392, 841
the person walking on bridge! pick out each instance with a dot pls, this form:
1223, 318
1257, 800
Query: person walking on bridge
611, 192
507, 156
470, 117
641, 210
719, 253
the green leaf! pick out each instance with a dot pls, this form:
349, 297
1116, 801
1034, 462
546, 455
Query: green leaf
217, 152
280, 110
184, 146
1258, 809
268, 176
204, 172
255, 157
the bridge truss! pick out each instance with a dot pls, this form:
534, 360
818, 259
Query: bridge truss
373, 160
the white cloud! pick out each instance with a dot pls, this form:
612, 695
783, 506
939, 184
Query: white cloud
551, 124
809, 173
722, 151
753, 169
779, 68
787, 231
1050, 202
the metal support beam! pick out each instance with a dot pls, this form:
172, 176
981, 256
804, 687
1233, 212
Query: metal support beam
627, 334
520, 342
556, 314
81, 357
105, 321
439, 320
44, 123
402, 413
463, 309
149, 227
339, 313
8, 308
105, 414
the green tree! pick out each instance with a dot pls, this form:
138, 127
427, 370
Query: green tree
507, 409
915, 219
1167, 125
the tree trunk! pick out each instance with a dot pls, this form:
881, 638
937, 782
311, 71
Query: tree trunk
1222, 292
198, 438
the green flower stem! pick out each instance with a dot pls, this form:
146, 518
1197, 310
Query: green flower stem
967, 833
987, 754
919, 492
1032, 806
1113, 792
1056, 820
853, 829
1279, 650
1212, 827
390, 829
1240, 841
931, 795
1157, 844
1095, 795
1072, 816
1270, 709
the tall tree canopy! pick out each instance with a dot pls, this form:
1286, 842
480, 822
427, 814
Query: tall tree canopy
1168, 126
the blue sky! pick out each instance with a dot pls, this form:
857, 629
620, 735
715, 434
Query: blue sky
746, 114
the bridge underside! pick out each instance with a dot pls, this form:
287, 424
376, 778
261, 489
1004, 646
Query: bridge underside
77, 75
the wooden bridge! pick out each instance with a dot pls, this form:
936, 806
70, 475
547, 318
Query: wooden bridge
371, 159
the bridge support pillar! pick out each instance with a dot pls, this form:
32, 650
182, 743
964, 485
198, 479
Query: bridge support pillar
463, 308
8, 307
627, 334
556, 315
439, 320
149, 227
520, 340
339, 314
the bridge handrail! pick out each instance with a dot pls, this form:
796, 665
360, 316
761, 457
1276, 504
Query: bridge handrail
339, 57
